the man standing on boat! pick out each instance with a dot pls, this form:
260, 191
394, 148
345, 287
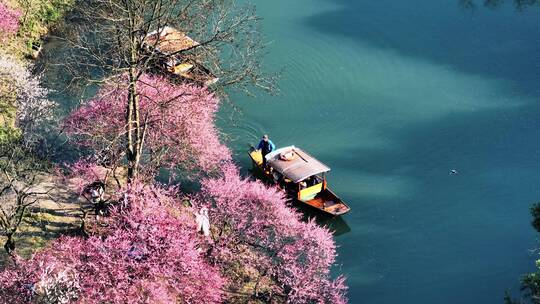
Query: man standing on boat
266, 146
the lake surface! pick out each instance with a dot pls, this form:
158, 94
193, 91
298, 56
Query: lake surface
392, 95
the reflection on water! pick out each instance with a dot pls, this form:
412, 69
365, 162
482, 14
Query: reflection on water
337, 224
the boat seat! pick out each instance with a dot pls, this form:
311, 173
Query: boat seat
310, 192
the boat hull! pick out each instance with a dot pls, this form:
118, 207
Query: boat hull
325, 201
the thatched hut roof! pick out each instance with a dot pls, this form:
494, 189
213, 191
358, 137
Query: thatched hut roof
169, 40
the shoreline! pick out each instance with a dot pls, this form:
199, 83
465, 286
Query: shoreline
37, 20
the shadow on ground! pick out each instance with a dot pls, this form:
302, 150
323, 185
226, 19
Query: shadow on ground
53, 216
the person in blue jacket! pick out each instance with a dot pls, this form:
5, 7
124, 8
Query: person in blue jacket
266, 146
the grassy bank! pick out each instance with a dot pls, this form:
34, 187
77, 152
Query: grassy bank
37, 19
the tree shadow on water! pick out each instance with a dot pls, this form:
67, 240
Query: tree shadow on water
498, 43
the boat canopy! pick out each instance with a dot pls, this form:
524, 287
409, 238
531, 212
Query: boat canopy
300, 167
169, 40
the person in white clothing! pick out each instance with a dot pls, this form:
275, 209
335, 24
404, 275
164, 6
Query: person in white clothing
203, 221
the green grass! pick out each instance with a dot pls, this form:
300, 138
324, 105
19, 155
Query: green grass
38, 17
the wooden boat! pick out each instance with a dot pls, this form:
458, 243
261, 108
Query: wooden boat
169, 43
302, 176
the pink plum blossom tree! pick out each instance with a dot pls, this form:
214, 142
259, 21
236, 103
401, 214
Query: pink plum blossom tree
9, 19
149, 254
257, 242
177, 122
255, 228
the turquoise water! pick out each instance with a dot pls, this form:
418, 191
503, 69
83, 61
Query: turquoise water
393, 95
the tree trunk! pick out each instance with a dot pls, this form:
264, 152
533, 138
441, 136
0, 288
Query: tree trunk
131, 151
9, 245
134, 136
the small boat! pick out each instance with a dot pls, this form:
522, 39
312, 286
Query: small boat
302, 176
167, 46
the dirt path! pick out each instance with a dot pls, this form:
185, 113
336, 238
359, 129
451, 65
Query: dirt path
57, 214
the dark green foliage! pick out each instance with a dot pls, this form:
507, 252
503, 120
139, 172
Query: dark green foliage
535, 212
39, 16
531, 285
530, 282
